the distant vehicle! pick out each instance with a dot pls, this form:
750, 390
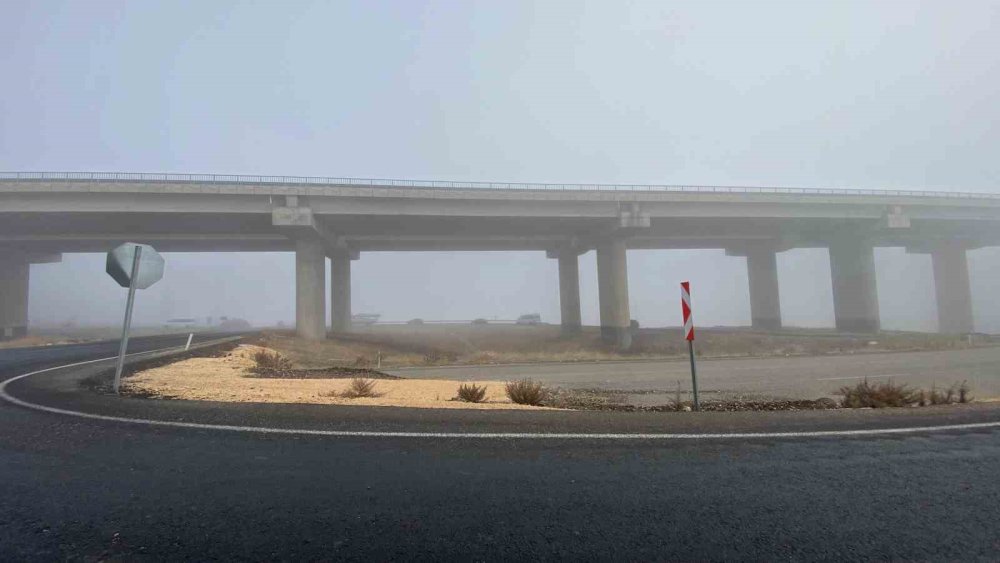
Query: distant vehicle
480, 322
529, 319
415, 322
365, 318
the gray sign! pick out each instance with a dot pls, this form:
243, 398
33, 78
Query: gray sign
135, 266
119, 265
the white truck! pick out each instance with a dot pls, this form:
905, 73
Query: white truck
529, 319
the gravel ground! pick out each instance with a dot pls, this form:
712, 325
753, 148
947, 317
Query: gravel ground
225, 378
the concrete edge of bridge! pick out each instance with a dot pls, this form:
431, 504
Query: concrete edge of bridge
60, 391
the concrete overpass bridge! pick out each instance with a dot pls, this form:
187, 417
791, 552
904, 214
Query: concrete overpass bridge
45, 214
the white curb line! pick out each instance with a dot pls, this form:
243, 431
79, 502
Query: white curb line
468, 435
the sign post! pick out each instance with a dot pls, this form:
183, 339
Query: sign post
135, 266
689, 336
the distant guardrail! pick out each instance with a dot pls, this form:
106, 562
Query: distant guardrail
387, 182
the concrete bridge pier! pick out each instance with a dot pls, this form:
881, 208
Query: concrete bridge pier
569, 289
855, 294
340, 289
762, 273
612, 285
951, 285
310, 289
15, 273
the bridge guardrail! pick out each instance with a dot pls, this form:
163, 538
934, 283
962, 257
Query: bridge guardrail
512, 186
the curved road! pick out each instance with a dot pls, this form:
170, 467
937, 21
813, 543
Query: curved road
84, 489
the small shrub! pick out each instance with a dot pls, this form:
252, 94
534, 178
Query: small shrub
958, 393
963, 393
471, 393
270, 361
526, 392
361, 387
938, 397
877, 395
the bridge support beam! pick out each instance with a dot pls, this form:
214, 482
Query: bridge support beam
569, 289
762, 273
340, 290
951, 285
310, 287
14, 274
612, 282
855, 294
765, 304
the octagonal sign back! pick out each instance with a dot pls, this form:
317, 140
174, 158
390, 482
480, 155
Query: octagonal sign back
119, 265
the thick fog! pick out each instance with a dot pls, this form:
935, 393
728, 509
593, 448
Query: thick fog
835, 94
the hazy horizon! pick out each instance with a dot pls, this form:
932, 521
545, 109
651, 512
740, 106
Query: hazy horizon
847, 94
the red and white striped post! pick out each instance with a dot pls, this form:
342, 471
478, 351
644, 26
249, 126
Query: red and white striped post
689, 336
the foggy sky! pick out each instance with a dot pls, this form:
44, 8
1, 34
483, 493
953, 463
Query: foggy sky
831, 94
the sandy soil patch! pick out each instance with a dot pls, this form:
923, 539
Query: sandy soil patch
225, 379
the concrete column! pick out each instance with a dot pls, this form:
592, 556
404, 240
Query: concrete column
951, 284
340, 291
310, 289
855, 296
765, 306
612, 285
14, 274
569, 291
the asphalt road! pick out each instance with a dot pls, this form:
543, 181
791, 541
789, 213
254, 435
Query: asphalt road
21, 360
794, 377
83, 489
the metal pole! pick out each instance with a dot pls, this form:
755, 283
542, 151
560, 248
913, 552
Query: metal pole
188, 345
694, 376
128, 317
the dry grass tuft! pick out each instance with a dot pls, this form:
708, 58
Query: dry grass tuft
877, 395
963, 392
889, 394
471, 393
957, 393
361, 387
270, 361
526, 392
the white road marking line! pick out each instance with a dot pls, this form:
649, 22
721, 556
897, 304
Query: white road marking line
467, 435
